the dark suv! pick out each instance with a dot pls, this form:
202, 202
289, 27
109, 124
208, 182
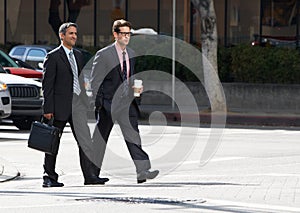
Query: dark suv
26, 99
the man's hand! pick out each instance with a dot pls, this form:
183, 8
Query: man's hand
97, 108
48, 115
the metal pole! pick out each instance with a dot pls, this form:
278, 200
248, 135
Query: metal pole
260, 21
126, 9
5, 21
95, 23
34, 22
173, 53
65, 10
158, 16
297, 24
191, 23
225, 22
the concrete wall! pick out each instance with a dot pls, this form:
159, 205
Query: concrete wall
239, 96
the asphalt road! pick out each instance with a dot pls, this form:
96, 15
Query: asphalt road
250, 170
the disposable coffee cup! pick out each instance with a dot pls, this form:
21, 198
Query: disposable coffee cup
138, 84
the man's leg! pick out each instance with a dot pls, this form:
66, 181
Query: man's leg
101, 135
50, 160
130, 131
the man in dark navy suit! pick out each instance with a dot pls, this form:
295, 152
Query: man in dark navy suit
64, 101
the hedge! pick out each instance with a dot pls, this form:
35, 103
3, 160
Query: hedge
241, 63
255, 64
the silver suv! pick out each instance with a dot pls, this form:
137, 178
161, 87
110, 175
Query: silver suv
34, 55
31, 54
26, 99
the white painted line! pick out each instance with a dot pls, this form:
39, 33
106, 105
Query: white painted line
215, 160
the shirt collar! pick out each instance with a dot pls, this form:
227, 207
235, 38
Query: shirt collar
67, 50
119, 49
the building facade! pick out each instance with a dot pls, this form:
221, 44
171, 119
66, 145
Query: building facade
238, 21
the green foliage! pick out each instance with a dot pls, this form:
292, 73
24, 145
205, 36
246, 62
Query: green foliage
254, 64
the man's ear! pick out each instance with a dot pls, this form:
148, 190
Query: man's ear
115, 34
61, 36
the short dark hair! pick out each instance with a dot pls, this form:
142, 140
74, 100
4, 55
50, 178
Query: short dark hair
120, 23
63, 28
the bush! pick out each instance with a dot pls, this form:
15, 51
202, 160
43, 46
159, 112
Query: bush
254, 64
242, 63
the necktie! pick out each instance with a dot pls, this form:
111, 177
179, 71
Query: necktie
124, 72
76, 87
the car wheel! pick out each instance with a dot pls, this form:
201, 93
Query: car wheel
23, 124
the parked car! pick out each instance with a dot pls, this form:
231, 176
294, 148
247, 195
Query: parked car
15, 68
5, 101
23, 64
35, 54
26, 73
275, 41
26, 99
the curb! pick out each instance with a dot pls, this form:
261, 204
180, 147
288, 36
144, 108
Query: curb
232, 118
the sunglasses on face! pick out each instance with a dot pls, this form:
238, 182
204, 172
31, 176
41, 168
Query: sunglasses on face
125, 33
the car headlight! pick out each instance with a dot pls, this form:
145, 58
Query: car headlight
41, 92
3, 86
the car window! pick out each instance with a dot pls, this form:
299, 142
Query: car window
35, 55
6, 61
19, 51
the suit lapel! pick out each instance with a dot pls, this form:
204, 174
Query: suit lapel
65, 58
77, 62
116, 61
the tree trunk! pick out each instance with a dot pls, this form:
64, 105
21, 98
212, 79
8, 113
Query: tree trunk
209, 44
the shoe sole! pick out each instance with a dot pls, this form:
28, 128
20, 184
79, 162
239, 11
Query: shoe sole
94, 183
48, 186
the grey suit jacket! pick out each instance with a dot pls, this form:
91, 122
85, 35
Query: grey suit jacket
107, 74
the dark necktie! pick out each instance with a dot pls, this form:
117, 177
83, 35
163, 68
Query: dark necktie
124, 72
76, 87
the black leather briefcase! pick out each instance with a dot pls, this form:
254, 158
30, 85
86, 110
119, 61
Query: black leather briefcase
44, 137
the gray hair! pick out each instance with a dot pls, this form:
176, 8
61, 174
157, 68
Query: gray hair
63, 28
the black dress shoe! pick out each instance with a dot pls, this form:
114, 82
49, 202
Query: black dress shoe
143, 176
48, 182
95, 181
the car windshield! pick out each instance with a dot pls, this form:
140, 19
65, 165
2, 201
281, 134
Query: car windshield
6, 61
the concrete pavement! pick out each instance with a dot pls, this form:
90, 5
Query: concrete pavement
253, 170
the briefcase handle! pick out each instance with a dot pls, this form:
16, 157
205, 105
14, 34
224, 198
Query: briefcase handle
47, 121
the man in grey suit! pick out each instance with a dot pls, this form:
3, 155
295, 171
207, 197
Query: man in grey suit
65, 100
112, 77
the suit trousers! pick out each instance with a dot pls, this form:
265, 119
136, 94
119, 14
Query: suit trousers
130, 132
81, 133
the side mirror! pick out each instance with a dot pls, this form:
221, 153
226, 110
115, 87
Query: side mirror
40, 65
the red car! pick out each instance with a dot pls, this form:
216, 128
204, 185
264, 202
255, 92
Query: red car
24, 72
12, 67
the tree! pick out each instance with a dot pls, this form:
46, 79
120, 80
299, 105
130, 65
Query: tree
209, 46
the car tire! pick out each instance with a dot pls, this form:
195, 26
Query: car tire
23, 124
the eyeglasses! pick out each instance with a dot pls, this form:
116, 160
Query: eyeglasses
125, 33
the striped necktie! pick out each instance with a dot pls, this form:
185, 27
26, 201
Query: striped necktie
76, 86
